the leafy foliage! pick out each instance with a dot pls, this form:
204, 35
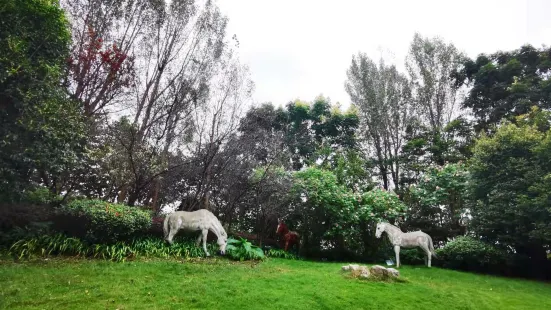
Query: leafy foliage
430, 63
59, 244
41, 196
379, 204
438, 202
382, 96
309, 127
510, 186
506, 84
241, 249
41, 130
28, 231
412, 256
329, 213
467, 253
426, 148
277, 253
100, 221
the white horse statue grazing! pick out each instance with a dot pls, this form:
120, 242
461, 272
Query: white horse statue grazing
202, 220
406, 240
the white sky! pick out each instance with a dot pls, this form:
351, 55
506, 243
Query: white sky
302, 48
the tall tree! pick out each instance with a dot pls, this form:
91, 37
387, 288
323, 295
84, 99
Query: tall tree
41, 130
506, 84
424, 148
311, 127
169, 67
510, 186
431, 63
105, 34
383, 97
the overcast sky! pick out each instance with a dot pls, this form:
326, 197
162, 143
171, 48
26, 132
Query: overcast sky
302, 48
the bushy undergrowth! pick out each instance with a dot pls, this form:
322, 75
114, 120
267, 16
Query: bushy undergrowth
60, 245
412, 256
41, 196
467, 253
277, 253
241, 249
97, 221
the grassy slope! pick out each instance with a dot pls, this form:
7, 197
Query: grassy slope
275, 284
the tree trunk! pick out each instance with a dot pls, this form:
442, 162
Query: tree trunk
155, 198
122, 194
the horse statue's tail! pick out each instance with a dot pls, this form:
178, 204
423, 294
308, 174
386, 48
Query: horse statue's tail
165, 226
431, 247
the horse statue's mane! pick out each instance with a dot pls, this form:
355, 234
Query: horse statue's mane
392, 226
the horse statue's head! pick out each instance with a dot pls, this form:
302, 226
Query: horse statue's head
380, 228
281, 228
222, 242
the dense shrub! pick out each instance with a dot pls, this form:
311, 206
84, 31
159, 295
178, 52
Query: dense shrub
98, 221
241, 249
277, 253
32, 230
22, 214
49, 245
23, 220
412, 256
41, 196
466, 253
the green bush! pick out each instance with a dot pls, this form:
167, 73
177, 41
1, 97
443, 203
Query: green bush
61, 245
277, 253
22, 215
241, 249
41, 196
31, 230
412, 256
98, 221
466, 253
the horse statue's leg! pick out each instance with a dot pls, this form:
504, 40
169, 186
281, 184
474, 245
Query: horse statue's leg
397, 251
172, 232
428, 254
204, 236
199, 239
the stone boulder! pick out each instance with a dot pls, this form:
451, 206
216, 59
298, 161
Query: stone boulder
383, 273
354, 267
365, 274
376, 272
357, 271
393, 272
379, 271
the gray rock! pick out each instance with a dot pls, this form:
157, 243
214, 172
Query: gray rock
393, 272
354, 267
365, 273
379, 271
346, 268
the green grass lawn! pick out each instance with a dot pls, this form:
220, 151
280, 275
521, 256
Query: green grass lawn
274, 284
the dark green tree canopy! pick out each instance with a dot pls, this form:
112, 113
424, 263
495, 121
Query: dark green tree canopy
510, 185
506, 84
40, 129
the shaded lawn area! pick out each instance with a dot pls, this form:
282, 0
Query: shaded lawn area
274, 284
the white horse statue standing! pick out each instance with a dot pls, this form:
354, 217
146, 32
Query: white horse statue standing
202, 220
406, 240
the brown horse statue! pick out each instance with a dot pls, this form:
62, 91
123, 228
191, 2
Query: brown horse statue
290, 238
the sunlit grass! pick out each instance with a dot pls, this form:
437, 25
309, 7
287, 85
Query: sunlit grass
274, 284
